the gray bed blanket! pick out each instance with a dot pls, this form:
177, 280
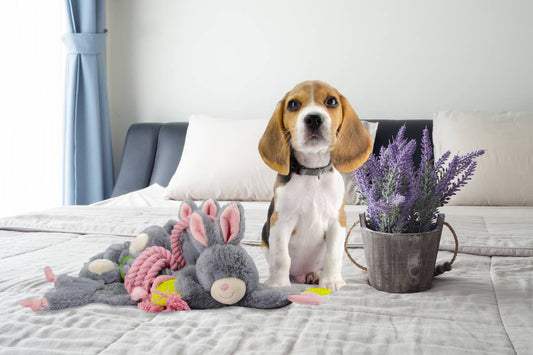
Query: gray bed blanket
483, 306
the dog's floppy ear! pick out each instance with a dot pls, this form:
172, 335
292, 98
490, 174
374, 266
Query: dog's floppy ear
354, 144
274, 145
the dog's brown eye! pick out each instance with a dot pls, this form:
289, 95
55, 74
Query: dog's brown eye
331, 102
294, 105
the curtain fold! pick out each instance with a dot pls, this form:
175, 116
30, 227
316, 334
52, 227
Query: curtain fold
88, 157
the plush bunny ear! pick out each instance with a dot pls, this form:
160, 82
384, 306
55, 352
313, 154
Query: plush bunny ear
197, 228
232, 223
210, 207
187, 208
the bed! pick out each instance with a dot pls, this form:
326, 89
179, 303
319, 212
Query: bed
484, 305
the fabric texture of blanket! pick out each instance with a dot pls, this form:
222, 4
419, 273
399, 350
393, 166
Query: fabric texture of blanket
484, 305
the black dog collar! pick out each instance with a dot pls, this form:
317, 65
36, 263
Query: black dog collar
299, 169
302, 170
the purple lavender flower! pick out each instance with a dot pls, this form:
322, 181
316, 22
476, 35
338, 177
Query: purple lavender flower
405, 199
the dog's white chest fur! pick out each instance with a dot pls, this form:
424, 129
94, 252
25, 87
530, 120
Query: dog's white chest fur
309, 206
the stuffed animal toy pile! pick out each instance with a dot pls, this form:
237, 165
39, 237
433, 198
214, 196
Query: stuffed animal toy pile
193, 263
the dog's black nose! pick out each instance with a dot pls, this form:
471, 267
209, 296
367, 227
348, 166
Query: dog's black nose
313, 121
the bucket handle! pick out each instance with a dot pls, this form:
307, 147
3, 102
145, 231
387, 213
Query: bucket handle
439, 269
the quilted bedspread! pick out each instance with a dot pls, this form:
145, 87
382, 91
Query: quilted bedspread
483, 306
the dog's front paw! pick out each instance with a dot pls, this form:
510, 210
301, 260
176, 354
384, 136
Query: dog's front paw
334, 284
278, 281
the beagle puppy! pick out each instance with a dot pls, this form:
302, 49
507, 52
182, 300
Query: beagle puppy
312, 137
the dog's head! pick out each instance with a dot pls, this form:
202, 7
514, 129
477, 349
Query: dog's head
315, 117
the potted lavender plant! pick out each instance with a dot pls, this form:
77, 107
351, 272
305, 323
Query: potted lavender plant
402, 226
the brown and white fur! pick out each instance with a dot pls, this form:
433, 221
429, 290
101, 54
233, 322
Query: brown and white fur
312, 126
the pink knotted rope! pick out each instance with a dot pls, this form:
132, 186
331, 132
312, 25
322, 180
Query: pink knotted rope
147, 266
173, 303
175, 241
139, 279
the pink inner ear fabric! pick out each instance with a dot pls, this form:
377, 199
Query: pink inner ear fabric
197, 228
186, 211
210, 208
230, 222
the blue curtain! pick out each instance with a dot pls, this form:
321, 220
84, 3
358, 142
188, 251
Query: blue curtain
88, 158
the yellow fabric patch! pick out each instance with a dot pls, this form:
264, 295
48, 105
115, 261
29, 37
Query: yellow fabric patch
166, 288
320, 291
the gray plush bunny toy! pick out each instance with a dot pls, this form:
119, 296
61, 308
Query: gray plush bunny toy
112, 264
101, 278
224, 273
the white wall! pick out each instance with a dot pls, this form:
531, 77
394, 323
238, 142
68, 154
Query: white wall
32, 68
237, 58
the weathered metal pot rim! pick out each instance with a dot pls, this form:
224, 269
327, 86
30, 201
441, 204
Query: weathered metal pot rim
438, 227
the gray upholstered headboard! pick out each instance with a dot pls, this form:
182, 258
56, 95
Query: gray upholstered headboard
152, 151
151, 155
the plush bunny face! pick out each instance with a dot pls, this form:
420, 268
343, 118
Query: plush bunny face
223, 269
228, 290
221, 262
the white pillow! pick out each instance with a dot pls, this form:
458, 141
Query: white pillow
504, 175
352, 197
221, 160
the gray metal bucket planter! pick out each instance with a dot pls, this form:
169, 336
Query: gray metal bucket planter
401, 262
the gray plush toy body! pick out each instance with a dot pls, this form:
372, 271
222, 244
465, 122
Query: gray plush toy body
101, 278
113, 264
224, 273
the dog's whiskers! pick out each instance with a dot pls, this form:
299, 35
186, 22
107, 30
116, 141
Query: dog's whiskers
288, 133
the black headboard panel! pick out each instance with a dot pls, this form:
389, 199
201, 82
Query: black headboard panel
152, 151
413, 130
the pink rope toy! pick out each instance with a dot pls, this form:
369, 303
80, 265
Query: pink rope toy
173, 303
146, 268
